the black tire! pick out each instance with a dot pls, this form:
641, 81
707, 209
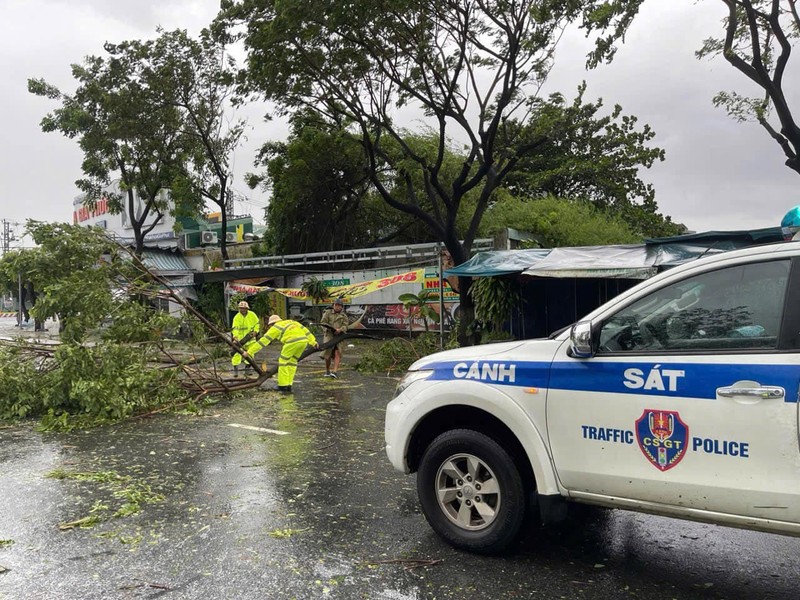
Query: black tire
484, 510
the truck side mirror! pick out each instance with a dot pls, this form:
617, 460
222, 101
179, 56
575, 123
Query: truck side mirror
580, 338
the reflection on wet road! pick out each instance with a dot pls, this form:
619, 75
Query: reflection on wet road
271, 496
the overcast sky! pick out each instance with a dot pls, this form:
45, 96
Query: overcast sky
717, 175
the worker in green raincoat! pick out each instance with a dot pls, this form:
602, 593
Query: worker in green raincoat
294, 338
245, 330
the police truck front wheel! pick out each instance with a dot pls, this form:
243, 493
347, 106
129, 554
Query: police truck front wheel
471, 491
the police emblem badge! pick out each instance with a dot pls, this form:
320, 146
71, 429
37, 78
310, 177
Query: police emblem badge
662, 437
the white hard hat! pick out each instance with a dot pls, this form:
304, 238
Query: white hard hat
273, 319
243, 304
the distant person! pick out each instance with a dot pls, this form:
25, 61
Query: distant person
33, 295
295, 338
25, 315
245, 330
334, 322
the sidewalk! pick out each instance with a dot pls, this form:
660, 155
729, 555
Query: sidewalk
10, 330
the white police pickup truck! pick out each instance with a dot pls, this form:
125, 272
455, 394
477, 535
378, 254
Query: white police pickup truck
679, 397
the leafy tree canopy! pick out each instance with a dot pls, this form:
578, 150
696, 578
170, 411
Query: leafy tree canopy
196, 76
80, 274
558, 222
314, 208
593, 157
320, 192
82, 277
467, 67
154, 115
115, 357
122, 132
758, 41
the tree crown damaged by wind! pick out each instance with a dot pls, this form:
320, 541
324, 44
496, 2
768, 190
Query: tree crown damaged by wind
119, 353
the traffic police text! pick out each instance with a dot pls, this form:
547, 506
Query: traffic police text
657, 378
607, 434
699, 444
721, 447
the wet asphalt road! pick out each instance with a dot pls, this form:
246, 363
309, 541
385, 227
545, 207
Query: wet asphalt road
209, 509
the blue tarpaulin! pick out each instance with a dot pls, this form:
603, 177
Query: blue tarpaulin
498, 262
629, 261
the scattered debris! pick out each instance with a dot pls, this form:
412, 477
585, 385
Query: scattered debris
285, 533
132, 494
84, 523
409, 564
157, 586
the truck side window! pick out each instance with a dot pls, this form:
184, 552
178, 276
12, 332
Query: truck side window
733, 308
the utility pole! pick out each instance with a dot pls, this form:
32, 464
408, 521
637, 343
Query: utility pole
441, 294
8, 236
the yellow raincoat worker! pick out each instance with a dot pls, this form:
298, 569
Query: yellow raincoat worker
294, 338
245, 330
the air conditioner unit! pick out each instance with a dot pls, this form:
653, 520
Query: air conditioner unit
208, 237
231, 237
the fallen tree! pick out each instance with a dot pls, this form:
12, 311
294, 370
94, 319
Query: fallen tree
202, 382
119, 354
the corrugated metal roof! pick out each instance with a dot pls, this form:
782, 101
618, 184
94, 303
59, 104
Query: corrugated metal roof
165, 262
748, 236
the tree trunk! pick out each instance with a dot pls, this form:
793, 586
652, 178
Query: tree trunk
136, 225
223, 242
466, 310
466, 316
139, 244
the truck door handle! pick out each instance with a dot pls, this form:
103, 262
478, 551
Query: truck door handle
766, 392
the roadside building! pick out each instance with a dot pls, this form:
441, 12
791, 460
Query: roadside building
173, 248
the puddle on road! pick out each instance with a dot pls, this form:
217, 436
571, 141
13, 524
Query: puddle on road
315, 513
161, 498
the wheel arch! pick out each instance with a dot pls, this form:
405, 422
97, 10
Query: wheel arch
521, 440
